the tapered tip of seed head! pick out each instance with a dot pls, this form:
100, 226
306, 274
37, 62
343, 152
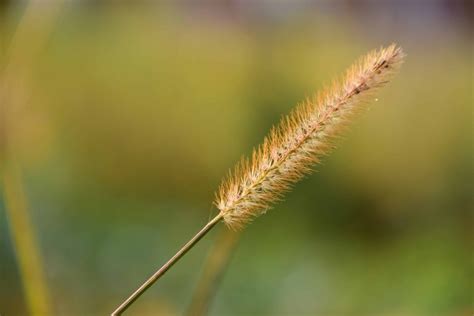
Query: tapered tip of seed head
393, 55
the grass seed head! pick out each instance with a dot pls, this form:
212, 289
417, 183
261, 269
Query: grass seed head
300, 140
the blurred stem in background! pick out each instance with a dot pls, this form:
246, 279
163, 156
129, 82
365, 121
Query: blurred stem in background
29, 38
215, 266
25, 244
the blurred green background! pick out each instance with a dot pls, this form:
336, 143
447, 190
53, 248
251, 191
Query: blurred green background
136, 111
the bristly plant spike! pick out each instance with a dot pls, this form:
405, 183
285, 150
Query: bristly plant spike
291, 150
301, 138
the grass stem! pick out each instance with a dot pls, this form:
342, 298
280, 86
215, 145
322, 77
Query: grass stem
158, 274
23, 235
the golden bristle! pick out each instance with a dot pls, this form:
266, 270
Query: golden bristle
301, 139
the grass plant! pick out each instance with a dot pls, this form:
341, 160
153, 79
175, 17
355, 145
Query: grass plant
291, 150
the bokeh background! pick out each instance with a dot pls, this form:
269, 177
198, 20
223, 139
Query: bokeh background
130, 114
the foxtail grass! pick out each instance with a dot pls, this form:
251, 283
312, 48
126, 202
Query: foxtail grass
292, 149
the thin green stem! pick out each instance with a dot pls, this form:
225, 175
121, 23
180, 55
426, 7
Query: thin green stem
148, 283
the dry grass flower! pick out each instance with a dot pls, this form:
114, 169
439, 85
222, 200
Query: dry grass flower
291, 150
301, 138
